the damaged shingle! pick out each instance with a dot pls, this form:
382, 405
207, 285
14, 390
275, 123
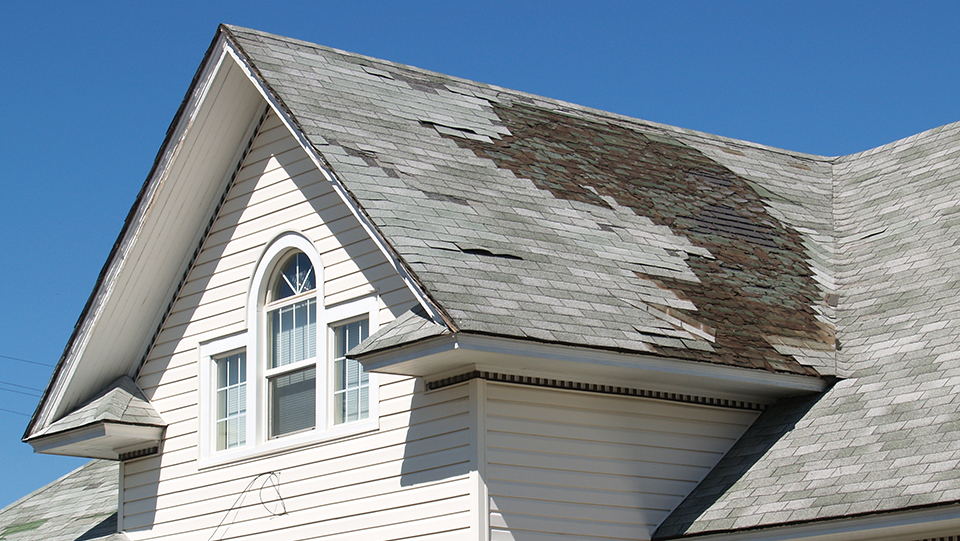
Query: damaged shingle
436, 196
759, 283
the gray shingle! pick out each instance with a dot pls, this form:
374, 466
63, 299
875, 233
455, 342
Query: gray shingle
80, 505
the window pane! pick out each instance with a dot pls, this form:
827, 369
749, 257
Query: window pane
296, 276
293, 401
351, 396
231, 407
293, 333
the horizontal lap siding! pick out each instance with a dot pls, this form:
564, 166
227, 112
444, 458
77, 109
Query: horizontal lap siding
409, 478
589, 466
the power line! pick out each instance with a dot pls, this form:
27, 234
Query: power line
26, 361
17, 412
19, 392
21, 386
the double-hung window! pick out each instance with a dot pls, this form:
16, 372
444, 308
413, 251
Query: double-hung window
291, 340
231, 400
351, 385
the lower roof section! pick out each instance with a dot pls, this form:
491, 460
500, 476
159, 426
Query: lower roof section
942, 521
79, 505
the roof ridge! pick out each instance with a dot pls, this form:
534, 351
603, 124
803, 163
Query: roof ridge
563, 105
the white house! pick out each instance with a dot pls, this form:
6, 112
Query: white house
359, 300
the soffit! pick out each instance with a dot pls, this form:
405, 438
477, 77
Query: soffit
159, 237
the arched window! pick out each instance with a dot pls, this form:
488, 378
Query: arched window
286, 380
291, 333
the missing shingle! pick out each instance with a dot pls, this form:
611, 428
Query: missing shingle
487, 253
728, 222
436, 196
609, 227
369, 157
421, 84
733, 151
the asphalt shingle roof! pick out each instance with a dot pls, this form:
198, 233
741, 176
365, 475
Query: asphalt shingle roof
532, 218
121, 402
888, 437
537, 219
81, 505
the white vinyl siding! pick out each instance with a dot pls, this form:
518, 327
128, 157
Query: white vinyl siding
589, 466
410, 478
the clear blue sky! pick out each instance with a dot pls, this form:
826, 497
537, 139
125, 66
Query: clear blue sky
89, 89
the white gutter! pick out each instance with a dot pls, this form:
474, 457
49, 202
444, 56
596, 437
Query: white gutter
445, 355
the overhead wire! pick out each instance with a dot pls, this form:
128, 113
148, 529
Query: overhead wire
16, 412
18, 359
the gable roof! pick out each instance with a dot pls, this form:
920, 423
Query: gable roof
81, 505
535, 219
442, 174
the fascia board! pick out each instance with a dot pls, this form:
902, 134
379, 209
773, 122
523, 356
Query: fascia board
926, 523
104, 288
446, 355
420, 293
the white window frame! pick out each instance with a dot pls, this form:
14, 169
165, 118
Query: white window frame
209, 353
254, 340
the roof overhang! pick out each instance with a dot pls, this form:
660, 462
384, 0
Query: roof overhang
160, 236
923, 523
103, 439
449, 355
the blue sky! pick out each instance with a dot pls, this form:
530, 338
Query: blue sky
89, 89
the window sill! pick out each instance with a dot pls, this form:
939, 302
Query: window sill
286, 444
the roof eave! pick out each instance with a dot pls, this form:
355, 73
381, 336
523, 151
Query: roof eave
87, 323
450, 355
109, 440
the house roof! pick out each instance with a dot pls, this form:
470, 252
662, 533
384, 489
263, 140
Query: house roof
121, 402
888, 437
529, 218
532, 218
81, 505
446, 175
118, 422
536, 219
